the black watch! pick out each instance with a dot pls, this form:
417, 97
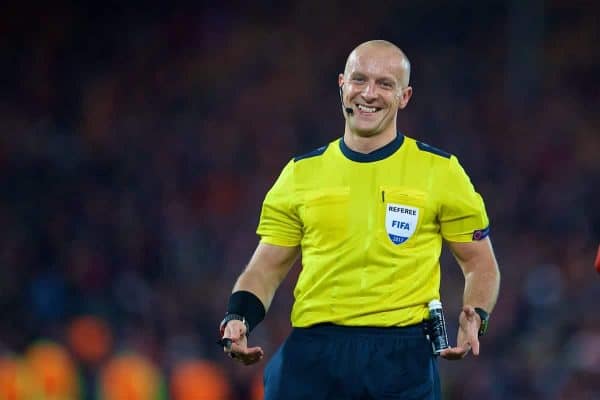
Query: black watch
485, 319
231, 317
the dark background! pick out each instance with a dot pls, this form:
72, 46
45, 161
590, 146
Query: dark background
137, 143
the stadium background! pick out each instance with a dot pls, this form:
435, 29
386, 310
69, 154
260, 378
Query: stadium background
138, 141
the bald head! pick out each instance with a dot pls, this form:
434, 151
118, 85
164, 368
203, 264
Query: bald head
386, 51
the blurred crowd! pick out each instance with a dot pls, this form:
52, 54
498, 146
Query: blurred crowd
137, 146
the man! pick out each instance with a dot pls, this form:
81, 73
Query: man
368, 213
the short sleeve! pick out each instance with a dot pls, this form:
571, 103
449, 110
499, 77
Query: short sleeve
279, 221
462, 214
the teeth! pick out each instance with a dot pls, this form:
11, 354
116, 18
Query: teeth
366, 109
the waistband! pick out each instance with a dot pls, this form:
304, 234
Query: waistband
328, 328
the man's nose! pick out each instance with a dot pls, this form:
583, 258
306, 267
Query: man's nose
369, 92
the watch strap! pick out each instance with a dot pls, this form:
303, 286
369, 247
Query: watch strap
231, 317
485, 318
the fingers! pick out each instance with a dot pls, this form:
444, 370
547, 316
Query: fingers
235, 344
467, 339
226, 343
253, 355
475, 346
232, 347
468, 330
455, 353
460, 352
234, 330
246, 355
469, 311
473, 328
233, 334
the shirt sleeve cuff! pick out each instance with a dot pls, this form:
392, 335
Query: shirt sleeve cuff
474, 236
279, 241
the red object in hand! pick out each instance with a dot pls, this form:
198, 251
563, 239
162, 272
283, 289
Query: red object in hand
597, 263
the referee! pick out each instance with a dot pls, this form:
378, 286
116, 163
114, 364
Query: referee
367, 213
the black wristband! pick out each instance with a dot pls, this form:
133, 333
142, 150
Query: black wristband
249, 306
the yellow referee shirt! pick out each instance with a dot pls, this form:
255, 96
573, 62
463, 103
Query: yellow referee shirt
370, 227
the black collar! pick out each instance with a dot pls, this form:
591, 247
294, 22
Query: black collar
375, 155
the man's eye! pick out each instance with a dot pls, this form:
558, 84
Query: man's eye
358, 80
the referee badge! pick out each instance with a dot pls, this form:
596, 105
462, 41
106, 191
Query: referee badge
400, 222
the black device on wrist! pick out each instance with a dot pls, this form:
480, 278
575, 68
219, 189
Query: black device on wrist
485, 318
231, 317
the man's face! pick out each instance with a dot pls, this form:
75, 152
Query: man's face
372, 87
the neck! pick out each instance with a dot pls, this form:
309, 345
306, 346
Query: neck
367, 144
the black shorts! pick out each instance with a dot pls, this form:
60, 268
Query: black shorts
330, 362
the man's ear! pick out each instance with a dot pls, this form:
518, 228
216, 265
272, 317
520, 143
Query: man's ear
404, 97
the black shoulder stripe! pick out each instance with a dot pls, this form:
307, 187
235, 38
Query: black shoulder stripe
430, 149
314, 153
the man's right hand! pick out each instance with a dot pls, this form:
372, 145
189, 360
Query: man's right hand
236, 331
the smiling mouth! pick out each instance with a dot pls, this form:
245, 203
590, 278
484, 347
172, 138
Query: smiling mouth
367, 109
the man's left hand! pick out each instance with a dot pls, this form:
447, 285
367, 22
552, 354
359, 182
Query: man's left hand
467, 338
